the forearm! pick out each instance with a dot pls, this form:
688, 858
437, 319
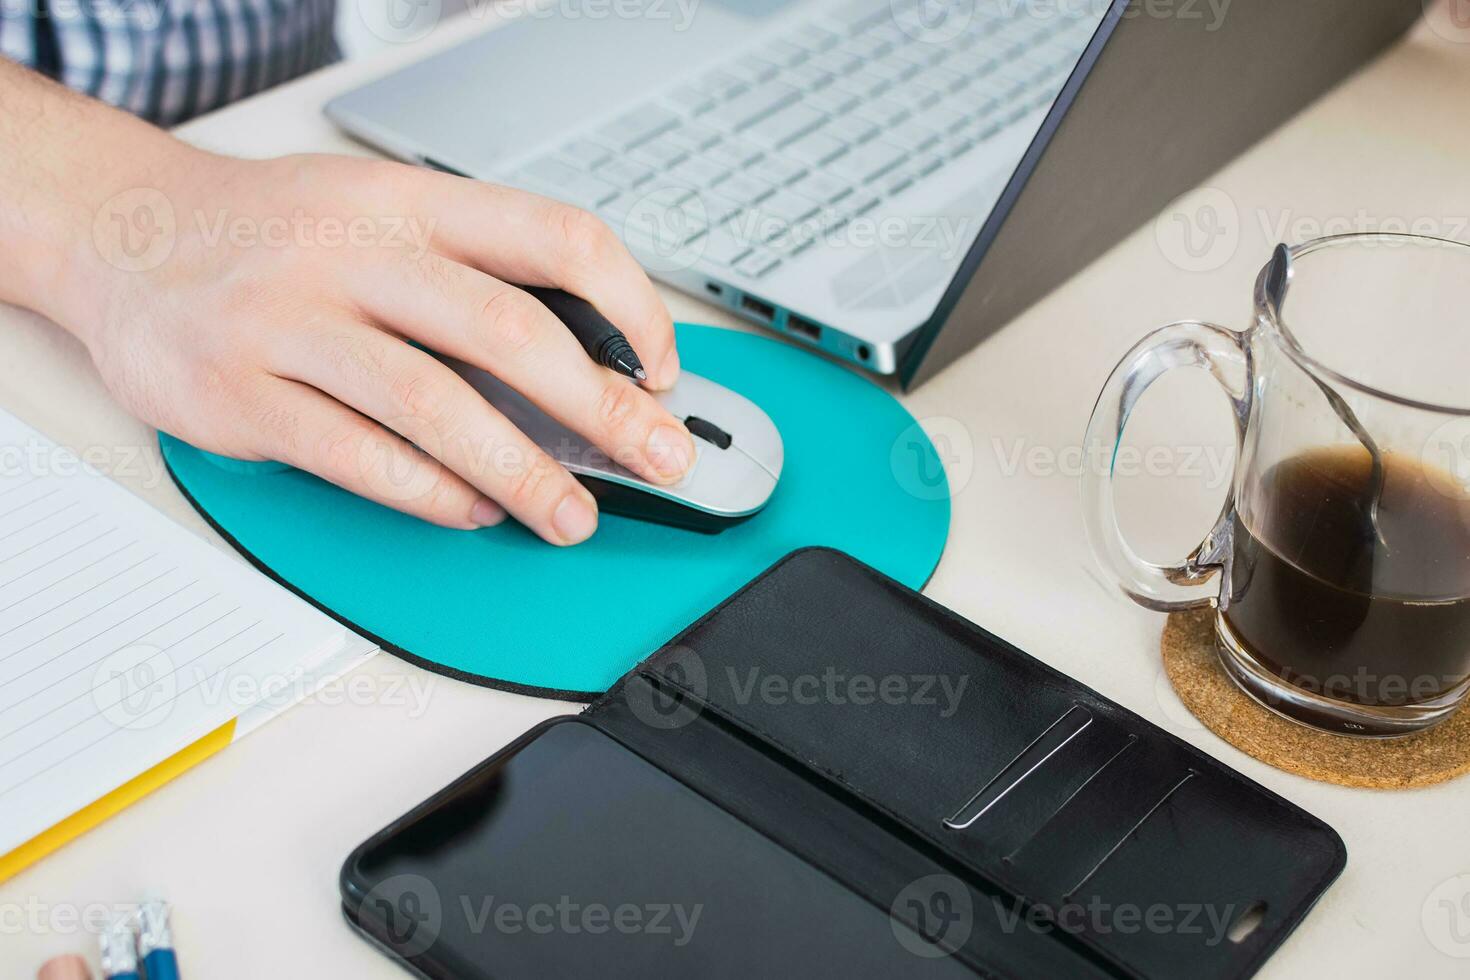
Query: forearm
63, 157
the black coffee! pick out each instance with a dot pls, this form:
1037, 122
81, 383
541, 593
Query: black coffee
1329, 602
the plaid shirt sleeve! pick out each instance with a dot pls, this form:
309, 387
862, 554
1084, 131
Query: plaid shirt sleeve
168, 60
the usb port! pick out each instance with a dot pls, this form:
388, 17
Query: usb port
759, 307
803, 327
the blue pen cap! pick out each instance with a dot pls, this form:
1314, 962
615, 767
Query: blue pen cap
119, 948
154, 932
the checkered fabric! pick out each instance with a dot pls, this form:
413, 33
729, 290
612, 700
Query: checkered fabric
168, 60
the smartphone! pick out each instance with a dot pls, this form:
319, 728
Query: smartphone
569, 855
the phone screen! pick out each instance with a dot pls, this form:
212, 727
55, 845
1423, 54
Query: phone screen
575, 857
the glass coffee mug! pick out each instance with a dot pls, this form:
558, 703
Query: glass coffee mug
1340, 567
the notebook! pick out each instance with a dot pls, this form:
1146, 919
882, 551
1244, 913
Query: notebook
130, 649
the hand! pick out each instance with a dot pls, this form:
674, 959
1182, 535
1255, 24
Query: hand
277, 317
68, 967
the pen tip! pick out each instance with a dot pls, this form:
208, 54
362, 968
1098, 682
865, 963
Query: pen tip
640, 374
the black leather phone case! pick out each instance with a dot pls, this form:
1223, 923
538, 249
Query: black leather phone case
1084, 841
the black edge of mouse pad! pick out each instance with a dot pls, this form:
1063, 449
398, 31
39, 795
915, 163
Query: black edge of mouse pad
397, 651
480, 680
1111, 821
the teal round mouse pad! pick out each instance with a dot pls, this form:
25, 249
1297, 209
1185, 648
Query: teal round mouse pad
500, 607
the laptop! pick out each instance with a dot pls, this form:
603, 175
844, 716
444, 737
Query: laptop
850, 172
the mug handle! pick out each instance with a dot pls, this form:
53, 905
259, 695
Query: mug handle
1191, 343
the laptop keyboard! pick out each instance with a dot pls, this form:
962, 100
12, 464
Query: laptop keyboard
763, 154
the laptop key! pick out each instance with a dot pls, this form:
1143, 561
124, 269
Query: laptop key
919, 55
585, 153
853, 17
789, 207
722, 84
866, 46
757, 264
734, 154
912, 135
897, 181
975, 64
791, 244
744, 188
776, 170
690, 100
833, 100
836, 61
914, 97
660, 154
944, 79
699, 172
790, 123
858, 204
615, 212
883, 112
547, 172
816, 149
693, 137
719, 207
750, 107
925, 164
808, 77
998, 87
624, 173
869, 161
813, 38
853, 129
723, 247
829, 219
754, 69
865, 83
942, 117
986, 129
638, 126
589, 192
891, 70
958, 144
784, 53
659, 238
822, 187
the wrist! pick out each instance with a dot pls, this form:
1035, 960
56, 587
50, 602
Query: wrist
116, 233
75, 173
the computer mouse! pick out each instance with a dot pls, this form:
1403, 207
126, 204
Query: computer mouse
738, 454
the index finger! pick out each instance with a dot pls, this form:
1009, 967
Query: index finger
523, 238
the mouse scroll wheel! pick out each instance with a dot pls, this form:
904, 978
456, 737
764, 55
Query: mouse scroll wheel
708, 431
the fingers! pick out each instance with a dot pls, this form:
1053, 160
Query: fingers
315, 433
523, 238
69, 967
429, 405
472, 316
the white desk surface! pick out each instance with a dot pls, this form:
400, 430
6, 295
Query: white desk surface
248, 845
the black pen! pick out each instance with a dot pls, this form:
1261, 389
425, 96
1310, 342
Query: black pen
604, 342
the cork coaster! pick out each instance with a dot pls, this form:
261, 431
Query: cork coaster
1194, 669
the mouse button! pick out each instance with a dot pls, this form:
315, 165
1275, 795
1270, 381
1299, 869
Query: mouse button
725, 482
758, 438
708, 431
559, 442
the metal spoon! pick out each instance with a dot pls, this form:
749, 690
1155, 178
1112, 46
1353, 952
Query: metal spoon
1278, 278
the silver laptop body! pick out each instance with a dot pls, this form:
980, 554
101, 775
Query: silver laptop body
821, 168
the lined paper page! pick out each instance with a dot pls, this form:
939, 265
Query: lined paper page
123, 637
